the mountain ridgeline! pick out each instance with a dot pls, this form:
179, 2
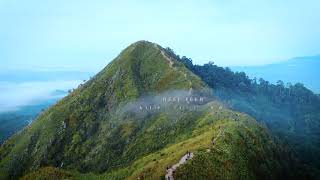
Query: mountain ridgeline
140, 115
290, 111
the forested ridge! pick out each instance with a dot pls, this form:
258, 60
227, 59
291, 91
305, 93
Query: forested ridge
290, 111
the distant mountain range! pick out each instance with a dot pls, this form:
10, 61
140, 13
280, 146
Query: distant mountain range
305, 70
15, 120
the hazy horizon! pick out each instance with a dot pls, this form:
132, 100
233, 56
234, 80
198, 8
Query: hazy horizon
56, 44
87, 36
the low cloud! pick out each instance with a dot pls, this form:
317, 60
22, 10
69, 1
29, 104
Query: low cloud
172, 102
15, 95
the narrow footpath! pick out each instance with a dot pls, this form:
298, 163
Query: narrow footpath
185, 158
172, 169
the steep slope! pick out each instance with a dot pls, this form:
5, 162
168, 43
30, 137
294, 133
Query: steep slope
66, 134
113, 125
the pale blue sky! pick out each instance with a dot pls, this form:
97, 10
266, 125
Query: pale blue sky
87, 35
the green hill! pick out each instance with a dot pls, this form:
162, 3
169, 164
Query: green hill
290, 111
126, 123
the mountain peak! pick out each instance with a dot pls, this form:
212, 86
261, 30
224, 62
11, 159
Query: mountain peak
147, 67
143, 45
144, 42
91, 110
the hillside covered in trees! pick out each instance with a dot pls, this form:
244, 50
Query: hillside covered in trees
290, 111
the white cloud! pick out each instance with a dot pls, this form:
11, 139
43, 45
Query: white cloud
14, 95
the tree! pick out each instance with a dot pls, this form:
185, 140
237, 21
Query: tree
280, 86
187, 62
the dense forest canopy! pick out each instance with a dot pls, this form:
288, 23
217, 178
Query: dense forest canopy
219, 77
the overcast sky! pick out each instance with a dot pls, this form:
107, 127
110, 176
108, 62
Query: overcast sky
87, 35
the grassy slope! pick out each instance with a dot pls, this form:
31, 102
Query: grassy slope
90, 115
244, 150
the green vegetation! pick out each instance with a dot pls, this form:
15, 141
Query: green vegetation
291, 112
48, 173
94, 133
243, 149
